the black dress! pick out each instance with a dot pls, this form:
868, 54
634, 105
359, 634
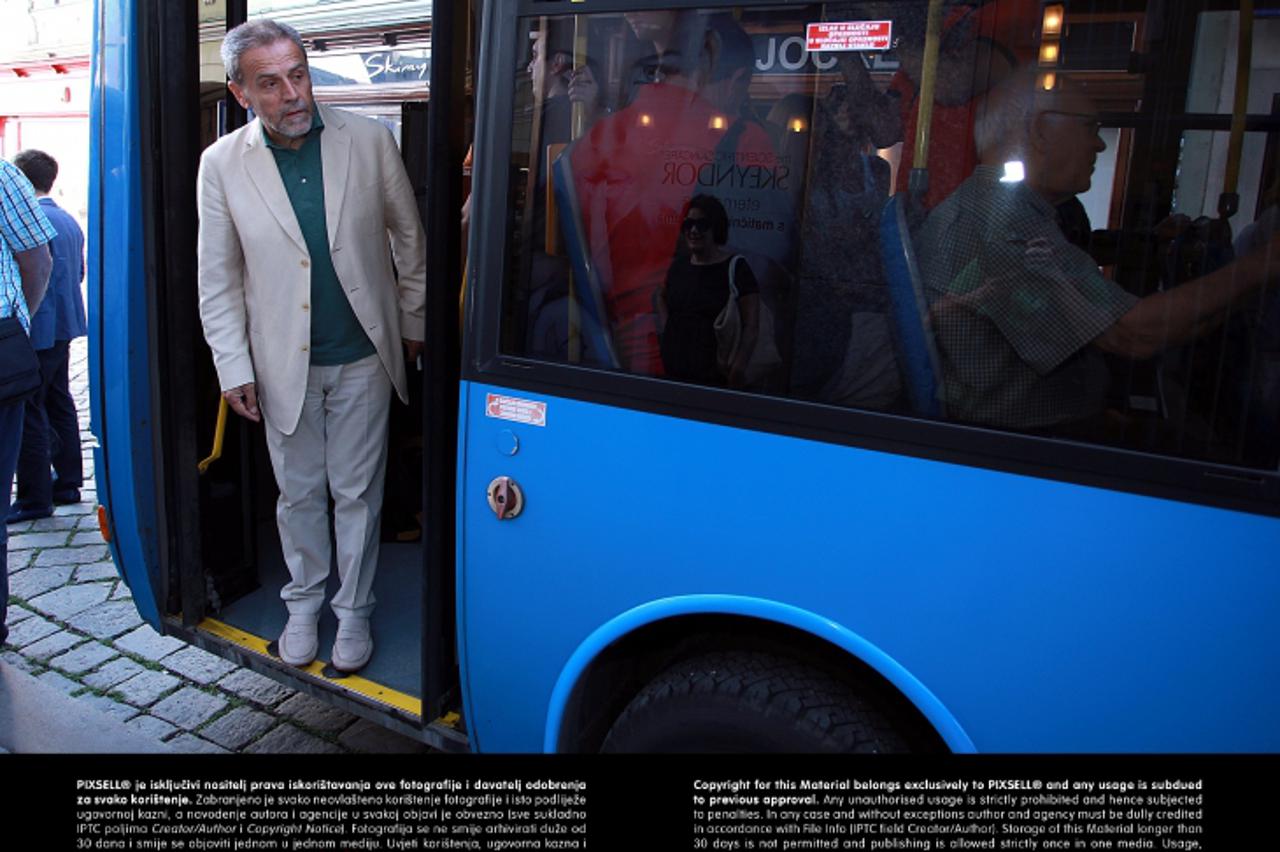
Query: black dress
695, 296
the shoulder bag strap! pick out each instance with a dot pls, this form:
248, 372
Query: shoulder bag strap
733, 266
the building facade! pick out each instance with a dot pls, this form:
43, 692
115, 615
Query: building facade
44, 88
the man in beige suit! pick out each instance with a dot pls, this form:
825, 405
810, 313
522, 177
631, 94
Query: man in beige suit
302, 213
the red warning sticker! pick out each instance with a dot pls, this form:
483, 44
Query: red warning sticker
515, 409
850, 35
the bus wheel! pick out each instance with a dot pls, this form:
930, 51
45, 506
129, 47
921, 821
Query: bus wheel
737, 701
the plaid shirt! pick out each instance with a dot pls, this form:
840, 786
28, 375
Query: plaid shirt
1015, 307
23, 226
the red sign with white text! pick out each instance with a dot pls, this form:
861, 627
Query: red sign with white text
850, 35
515, 409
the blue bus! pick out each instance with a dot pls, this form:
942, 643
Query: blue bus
784, 394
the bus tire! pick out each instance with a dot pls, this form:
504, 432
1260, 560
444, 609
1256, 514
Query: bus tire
745, 702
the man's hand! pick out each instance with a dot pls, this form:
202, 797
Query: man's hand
412, 350
244, 401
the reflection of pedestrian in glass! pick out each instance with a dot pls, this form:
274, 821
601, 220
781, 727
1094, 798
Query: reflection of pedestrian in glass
557, 89
843, 351
634, 171
854, 180
696, 292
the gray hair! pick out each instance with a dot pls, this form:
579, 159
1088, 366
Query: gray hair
1004, 114
251, 34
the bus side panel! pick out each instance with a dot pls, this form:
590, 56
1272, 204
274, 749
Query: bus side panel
119, 345
1044, 616
466, 391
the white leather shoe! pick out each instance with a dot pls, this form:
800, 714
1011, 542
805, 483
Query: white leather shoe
299, 642
353, 646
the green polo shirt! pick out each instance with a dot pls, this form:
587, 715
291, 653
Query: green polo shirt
336, 334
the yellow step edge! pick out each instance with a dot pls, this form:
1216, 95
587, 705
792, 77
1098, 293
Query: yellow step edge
353, 683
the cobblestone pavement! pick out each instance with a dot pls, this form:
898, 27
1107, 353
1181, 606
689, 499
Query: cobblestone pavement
74, 626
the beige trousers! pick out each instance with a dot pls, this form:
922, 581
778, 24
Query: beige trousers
339, 448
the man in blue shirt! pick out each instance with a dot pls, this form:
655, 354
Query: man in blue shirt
51, 427
24, 272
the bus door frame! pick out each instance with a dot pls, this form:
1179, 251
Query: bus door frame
170, 34
441, 360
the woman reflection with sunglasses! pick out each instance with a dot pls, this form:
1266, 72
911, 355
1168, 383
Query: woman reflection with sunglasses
696, 292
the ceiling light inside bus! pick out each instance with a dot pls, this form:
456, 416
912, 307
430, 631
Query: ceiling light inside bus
798, 125
1049, 53
1047, 81
1052, 20
719, 122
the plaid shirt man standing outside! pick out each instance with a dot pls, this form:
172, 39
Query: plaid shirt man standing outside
25, 264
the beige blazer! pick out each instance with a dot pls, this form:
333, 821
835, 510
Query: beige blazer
255, 270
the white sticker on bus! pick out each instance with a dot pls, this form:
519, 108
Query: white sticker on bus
515, 409
850, 35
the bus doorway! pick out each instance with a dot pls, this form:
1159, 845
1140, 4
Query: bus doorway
216, 566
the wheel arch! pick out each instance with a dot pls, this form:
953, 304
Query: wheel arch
613, 663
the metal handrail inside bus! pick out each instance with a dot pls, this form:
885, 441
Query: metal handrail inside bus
1229, 201
918, 182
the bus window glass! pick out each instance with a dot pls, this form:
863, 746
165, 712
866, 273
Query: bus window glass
633, 128
1202, 158
1213, 65
732, 198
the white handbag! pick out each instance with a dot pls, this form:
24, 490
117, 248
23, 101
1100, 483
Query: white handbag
728, 324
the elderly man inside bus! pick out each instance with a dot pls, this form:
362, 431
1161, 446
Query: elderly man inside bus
1022, 317
312, 279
